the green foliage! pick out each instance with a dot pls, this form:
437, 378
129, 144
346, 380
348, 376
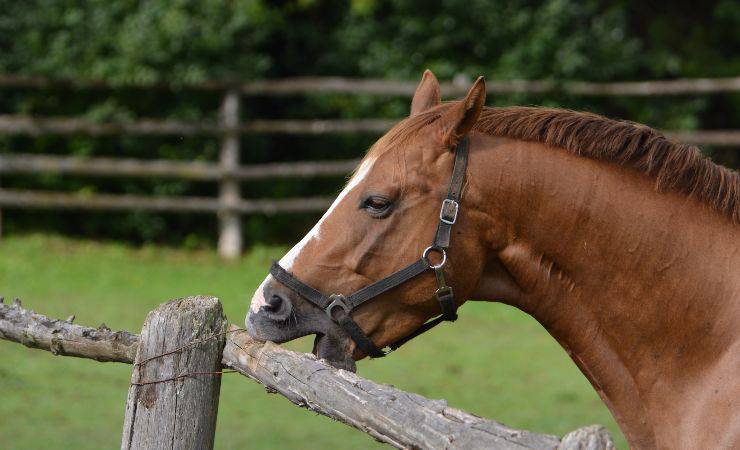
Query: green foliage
555, 39
521, 376
187, 41
128, 41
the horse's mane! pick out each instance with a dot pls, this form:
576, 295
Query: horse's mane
674, 166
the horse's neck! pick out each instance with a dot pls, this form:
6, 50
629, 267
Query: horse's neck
640, 288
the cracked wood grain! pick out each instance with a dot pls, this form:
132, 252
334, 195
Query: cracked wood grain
401, 419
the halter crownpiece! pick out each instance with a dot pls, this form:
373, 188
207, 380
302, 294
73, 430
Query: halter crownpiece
339, 307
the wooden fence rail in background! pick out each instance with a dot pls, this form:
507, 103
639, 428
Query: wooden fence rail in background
167, 168
179, 394
38, 126
17, 198
228, 173
460, 88
340, 85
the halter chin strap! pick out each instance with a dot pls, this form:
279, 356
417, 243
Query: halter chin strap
338, 307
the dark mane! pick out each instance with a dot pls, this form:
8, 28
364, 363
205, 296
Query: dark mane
674, 166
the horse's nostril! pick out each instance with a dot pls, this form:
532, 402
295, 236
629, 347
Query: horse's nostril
273, 303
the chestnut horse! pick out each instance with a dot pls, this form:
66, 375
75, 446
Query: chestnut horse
623, 245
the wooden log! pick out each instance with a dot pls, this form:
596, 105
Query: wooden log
229, 221
349, 398
592, 437
173, 399
401, 419
166, 168
14, 198
62, 337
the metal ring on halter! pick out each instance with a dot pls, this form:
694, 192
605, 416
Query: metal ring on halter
337, 300
440, 250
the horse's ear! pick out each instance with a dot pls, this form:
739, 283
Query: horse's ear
459, 120
426, 95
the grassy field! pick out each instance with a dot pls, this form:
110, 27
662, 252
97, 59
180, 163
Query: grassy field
494, 361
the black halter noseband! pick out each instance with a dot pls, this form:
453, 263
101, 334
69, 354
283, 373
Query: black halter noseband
338, 307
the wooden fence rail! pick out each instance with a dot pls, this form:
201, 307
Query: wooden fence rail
38, 126
16, 198
173, 400
340, 85
166, 168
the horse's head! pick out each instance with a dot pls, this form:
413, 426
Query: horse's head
380, 223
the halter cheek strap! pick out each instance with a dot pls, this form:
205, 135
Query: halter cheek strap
339, 307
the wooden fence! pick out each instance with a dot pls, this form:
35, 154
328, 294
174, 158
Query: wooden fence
230, 204
185, 346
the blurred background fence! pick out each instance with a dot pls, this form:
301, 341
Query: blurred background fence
229, 205
117, 102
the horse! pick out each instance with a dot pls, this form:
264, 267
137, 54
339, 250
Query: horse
624, 245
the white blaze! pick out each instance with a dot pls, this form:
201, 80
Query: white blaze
258, 300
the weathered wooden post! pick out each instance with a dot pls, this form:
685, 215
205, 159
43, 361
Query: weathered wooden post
230, 229
173, 398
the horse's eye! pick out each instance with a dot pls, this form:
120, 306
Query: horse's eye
377, 205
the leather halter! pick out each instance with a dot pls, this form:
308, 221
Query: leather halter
338, 307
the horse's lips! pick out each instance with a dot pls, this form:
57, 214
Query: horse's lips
316, 345
324, 348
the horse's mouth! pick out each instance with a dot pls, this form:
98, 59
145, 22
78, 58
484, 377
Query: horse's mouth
331, 350
329, 345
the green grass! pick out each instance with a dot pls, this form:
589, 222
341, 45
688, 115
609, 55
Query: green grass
494, 361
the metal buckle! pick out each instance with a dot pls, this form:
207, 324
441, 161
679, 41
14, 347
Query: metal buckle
336, 300
456, 208
446, 292
443, 290
440, 250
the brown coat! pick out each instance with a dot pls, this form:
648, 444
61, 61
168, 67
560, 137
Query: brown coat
623, 245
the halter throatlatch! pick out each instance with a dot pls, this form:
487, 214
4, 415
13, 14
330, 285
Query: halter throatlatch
339, 307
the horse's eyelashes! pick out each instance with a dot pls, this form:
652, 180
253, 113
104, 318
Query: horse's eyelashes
377, 205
